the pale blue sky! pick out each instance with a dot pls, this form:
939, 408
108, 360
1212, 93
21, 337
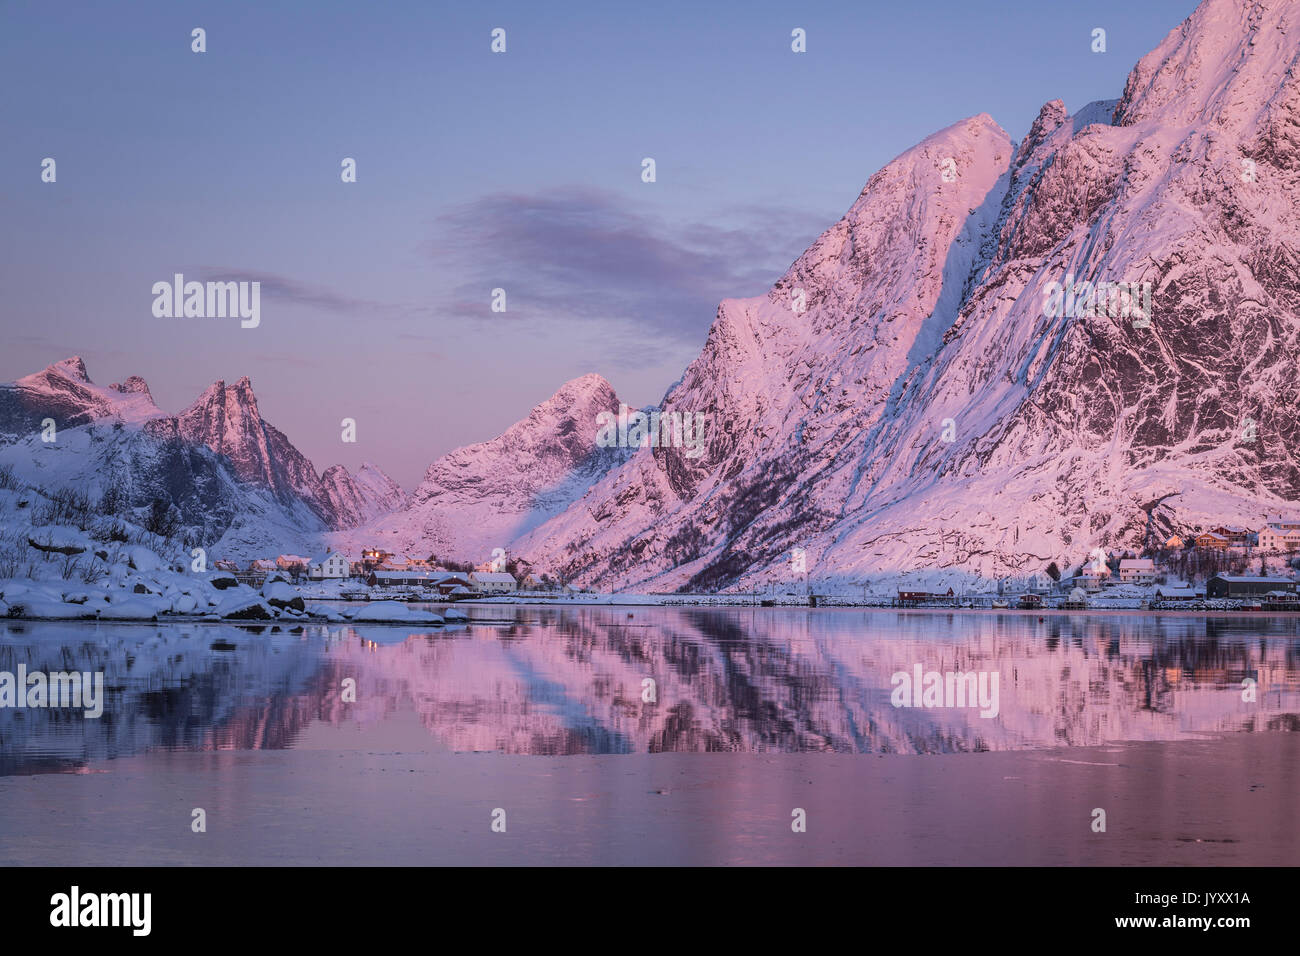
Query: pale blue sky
475, 170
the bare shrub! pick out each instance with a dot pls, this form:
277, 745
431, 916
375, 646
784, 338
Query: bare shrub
92, 571
65, 506
164, 519
8, 480
114, 501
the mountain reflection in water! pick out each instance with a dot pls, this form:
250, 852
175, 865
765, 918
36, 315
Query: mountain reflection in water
551, 681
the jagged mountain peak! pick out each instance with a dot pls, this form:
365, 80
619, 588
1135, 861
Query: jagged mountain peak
576, 396
134, 385
73, 368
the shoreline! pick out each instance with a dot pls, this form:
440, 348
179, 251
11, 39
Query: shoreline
878, 608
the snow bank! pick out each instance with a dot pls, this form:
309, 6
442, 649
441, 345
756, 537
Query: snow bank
394, 612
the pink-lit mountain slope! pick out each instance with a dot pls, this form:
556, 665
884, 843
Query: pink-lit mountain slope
929, 412
485, 496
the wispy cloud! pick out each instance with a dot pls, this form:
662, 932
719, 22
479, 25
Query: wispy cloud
285, 289
581, 253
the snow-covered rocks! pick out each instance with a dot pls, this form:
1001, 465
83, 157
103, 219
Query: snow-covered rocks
244, 604
394, 612
325, 612
42, 608
130, 610
185, 604
282, 595
142, 559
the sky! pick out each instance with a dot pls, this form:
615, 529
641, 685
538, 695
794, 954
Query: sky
475, 171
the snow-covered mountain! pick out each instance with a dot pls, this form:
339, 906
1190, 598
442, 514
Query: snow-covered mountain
935, 387
929, 409
357, 499
240, 484
64, 392
485, 496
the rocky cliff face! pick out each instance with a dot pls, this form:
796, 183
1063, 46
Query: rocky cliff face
931, 410
226, 419
357, 499
792, 382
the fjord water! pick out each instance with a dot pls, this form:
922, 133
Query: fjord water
549, 716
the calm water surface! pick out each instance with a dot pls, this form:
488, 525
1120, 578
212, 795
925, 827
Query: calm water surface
510, 708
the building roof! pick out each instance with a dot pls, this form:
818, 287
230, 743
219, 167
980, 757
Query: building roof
494, 577
1137, 564
1175, 592
1251, 579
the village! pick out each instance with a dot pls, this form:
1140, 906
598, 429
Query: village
1205, 570
1223, 568
385, 574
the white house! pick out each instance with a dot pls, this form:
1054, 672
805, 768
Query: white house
1040, 582
1092, 575
1286, 524
1279, 537
1137, 570
493, 582
334, 565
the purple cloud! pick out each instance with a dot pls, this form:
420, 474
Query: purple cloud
589, 254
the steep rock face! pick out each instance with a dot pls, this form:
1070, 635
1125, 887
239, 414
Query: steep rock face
931, 411
484, 496
226, 419
356, 499
791, 381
